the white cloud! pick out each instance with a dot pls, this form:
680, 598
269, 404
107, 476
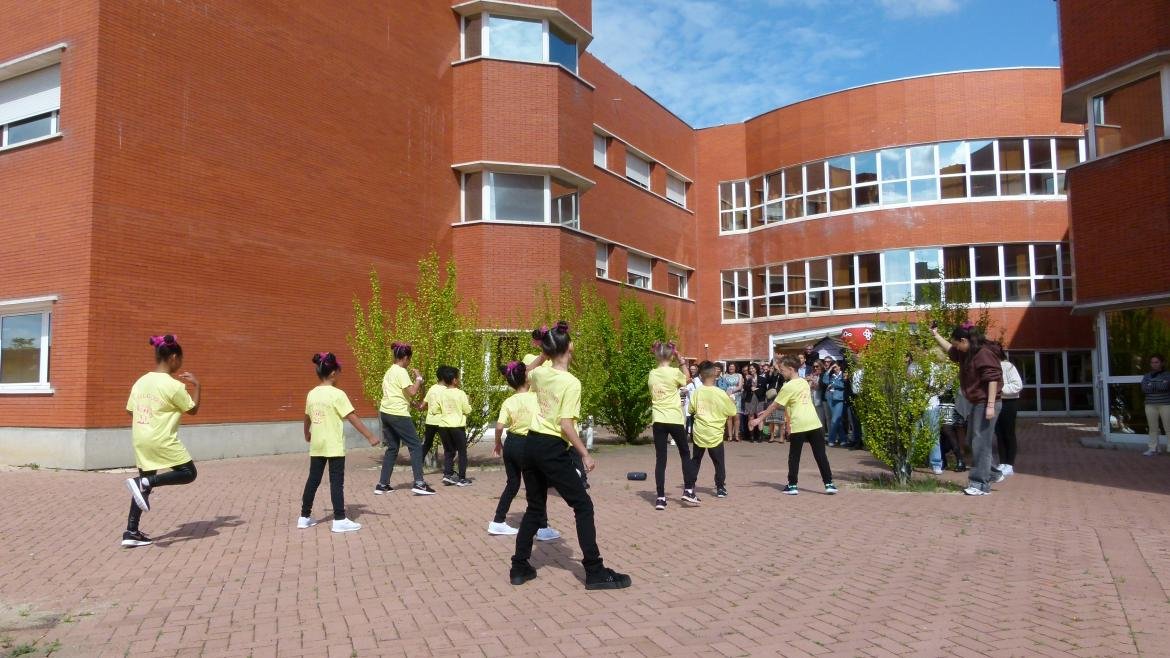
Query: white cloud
915, 8
722, 61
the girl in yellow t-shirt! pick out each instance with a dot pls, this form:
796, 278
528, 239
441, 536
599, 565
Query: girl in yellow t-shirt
804, 423
399, 387
325, 408
667, 413
157, 403
545, 461
451, 408
516, 414
431, 420
712, 407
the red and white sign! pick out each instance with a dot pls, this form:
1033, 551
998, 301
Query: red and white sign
856, 338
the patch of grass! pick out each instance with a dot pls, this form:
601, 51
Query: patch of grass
52, 647
915, 485
32, 466
24, 612
23, 650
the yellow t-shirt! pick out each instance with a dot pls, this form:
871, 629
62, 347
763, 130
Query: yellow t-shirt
393, 399
558, 393
432, 400
327, 406
796, 398
158, 401
665, 402
517, 412
453, 407
712, 407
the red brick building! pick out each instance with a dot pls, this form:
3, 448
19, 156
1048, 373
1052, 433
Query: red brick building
232, 171
1116, 79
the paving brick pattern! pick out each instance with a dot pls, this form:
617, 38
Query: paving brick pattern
1069, 558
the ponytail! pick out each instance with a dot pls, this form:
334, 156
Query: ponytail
326, 363
165, 346
553, 342
515, 373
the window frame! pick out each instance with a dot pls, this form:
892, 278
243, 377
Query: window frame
601, 262
681, 200
601, 158
485, 41
635, 277
682, 277
43, 306
1089, 150
649, 170
487, 199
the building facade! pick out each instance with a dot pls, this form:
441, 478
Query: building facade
1116, 80
232, 172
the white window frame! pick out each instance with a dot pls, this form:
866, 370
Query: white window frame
488, 201
676, 274
639, 278
736, 299
601, 260
630, 155
1066, 386
600, 155
47, 59
32, 306
678, 198
485, 42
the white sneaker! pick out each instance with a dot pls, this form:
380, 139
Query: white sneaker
937, 470
1007, 469
305, 522
547, 534
1149, 453
975, 491
501, 529
345, 525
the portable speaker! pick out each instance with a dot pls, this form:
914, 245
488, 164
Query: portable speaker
636, 475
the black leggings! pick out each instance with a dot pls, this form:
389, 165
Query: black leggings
336, 485
429, 434
513, 452
953, 437
816, 440
1005, 431
545, 461
454, 442
181, 474
717, 458
662, 431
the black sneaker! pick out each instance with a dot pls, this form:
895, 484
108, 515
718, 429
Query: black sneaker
690, 497
463, 482
960, 467
791, 490
721, 492
521, 575
422, 489
450, 480
660, 503
136, 538
380, 489
606, 579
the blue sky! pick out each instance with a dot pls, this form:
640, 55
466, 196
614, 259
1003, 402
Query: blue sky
722, 61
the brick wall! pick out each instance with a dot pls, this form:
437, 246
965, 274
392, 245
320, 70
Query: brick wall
1097, 37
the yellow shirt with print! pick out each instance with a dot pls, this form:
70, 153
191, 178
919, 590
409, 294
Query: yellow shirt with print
393, 399
796, 398
559, 395
453, 407
327, 406
665, 403
432, 400
517, 412
158, 402
712, 407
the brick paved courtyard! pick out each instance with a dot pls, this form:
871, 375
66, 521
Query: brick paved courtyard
1071, 557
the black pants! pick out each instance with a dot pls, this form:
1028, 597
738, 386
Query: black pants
717, 458
429, 434
952, 438
544, 461
663, 431
1005, 431
397, 430
816, 440
454, 443
336, 485
181, 474
513, 452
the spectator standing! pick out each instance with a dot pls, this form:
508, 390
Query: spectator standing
1005, 425
1156, 388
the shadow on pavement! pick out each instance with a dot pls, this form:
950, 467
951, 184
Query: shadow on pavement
198, 530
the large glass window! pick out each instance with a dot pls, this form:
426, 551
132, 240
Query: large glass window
29, 106
521, 39
511, 197
972, 169
736, 292
910, 277
24, 350
1129, 115
1055, 382
515, 38
564, 204
516, 197
562, 49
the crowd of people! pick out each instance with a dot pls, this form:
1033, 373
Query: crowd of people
803, 398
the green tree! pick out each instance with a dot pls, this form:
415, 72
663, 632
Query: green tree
892, 401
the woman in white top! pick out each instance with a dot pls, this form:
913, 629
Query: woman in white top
1005, 425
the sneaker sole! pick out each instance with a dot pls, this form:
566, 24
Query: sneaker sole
503, 534
790, 493
136, 494
547, 538
422, 492
831, 493
380, 492
341, 532
134, 543
621, 584
463, 484
693, 501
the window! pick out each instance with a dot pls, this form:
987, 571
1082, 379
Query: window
638, 271
1129, 115
600, 150
24, 346
1055, 382
676, 282
510, 197
928, 173
29, 106
602, 260
676, 190
987, 274
521, 39
637, 170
